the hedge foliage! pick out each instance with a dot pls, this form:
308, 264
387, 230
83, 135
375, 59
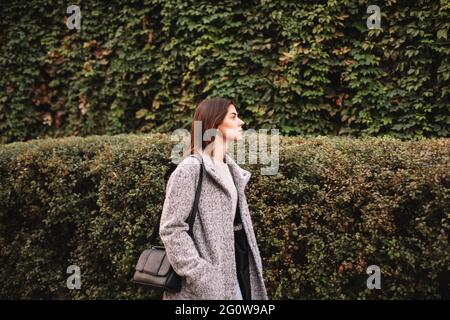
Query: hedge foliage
335, 207
305, 67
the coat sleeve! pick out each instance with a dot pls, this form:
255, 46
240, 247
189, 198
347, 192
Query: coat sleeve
180, 248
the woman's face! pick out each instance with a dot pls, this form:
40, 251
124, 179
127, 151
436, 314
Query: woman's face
231, 126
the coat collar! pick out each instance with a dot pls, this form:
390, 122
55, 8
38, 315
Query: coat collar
240, 176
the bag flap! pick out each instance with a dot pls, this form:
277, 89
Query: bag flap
142, 259
154, 262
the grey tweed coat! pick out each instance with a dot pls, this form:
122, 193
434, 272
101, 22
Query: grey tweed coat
207, 263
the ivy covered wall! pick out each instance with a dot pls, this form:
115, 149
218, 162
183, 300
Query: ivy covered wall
304, 67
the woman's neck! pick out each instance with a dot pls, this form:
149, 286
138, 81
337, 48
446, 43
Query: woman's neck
219, 150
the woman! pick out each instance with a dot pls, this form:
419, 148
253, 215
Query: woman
214, 264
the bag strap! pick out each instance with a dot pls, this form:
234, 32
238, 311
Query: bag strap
191, 219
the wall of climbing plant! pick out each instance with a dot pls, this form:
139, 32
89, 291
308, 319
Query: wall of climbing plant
304, 67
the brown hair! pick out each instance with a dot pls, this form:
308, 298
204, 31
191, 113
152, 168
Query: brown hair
211, 113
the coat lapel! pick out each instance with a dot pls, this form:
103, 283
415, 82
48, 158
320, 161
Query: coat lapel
240, 176
209, 167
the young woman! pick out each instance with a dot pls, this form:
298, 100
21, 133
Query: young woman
222, 259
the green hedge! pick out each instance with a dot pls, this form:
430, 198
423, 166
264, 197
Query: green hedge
335, 207
307, 67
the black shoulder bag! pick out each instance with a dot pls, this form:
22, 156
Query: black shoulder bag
153, 268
